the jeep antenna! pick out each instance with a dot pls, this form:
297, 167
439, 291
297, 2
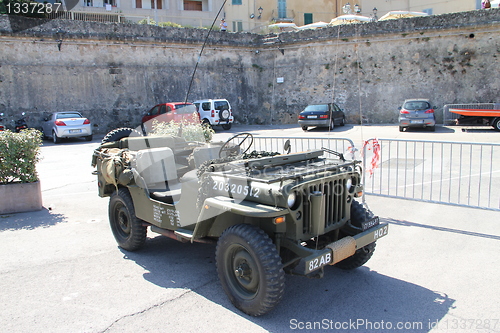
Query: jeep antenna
201, 51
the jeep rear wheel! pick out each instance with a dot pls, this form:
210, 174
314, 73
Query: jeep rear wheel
119, 133
128, 230
250, 269
358, 215
226, 126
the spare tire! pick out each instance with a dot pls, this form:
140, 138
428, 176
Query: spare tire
120, 133
224, 114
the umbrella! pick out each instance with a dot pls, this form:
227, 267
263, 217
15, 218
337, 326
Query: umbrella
348, 19
393, 15
315, 25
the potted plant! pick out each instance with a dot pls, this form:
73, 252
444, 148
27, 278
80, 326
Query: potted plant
19, 184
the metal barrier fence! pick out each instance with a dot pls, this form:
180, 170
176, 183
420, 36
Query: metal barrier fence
276, 144
450, 117
465, 174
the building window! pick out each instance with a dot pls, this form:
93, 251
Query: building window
237, 26
308, 18
193, 5
237, 2
281, 8
158, 3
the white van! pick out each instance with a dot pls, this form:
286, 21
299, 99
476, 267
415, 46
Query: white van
215, 112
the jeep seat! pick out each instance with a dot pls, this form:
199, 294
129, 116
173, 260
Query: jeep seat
206, 153
158, 169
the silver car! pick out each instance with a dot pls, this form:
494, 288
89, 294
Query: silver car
417, 113
66, 124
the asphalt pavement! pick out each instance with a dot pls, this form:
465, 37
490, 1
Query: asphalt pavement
61, 270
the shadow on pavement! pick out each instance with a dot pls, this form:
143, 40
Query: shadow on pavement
457, 231
360, 300
30, 220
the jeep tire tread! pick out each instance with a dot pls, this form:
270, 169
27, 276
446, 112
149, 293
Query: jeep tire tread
128, 230
119, 133
358, 215
250, 269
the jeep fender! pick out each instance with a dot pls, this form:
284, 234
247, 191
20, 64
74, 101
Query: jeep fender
219, 213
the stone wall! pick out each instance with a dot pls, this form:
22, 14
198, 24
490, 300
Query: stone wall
114, 72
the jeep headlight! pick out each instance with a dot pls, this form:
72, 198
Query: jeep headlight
348, 184
292, 198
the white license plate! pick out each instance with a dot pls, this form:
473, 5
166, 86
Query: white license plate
312, 117
75, 131
318, 262
416, 121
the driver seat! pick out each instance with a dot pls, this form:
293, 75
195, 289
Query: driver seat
158, 169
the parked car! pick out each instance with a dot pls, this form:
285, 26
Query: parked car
167, 112
175, 111
321, 115
66, 124
417, 113
215, 112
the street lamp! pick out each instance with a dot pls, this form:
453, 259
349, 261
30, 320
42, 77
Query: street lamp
346, 8
260, 10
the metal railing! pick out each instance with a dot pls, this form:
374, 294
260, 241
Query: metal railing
465, 174
87, 16
277, 144
101, 15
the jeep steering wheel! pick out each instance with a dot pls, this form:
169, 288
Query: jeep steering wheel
227, 150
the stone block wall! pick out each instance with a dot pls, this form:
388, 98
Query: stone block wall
114, 72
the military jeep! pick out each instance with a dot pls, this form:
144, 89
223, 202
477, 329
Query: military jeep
268, 213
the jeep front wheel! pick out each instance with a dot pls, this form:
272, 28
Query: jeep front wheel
359, 214
128, 230
250, 269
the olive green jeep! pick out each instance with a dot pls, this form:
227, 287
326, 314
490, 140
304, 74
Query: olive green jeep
269, 213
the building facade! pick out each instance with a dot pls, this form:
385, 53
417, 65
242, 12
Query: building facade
255, 15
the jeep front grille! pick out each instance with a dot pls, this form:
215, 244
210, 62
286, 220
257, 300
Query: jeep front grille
334, 204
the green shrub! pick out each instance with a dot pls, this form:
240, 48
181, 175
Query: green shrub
19, 154
169, 24
189, 131
147, 21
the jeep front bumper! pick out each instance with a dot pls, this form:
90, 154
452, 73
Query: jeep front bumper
337, 251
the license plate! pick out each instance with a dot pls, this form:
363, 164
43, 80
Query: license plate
312, 117
75, 131
318, 262
416, 121
370, 224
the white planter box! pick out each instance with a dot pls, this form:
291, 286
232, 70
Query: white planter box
20, 197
